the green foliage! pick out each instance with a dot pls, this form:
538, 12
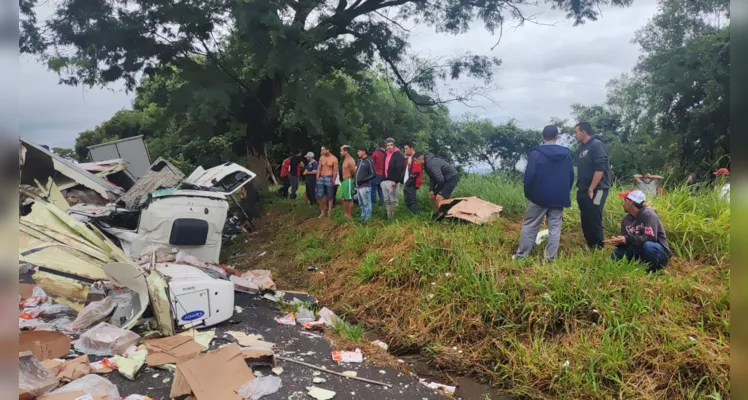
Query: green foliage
352, 332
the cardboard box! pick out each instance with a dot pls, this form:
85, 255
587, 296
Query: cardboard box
44, 344
34, 379
171, 350
214, 375
25, 290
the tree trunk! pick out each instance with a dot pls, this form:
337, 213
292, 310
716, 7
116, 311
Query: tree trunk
259, 113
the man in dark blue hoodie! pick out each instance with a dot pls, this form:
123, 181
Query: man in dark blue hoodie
549, 177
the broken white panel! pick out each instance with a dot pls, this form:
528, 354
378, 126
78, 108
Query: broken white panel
228, 178
132, 277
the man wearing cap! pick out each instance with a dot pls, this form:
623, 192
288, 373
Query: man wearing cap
394, 171
642, 235
310, 178
723, 174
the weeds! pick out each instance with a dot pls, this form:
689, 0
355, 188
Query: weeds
582, 327
352, 332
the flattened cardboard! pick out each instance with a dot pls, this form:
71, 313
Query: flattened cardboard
471, 209
34, 379
214, 375
171, 350
74, 396
256, 355
74, 369
44, 344
25, 290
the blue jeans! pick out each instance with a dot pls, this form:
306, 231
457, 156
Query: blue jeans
651, 253
364, 201
377, 189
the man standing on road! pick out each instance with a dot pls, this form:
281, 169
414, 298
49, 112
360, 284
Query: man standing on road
443, 177
284, 176
394, 170
642, 235
294, 172
648, 183
593, 183
364, 177
377, 158
349, 170
413, 175
310, 178
549, 177
326, 175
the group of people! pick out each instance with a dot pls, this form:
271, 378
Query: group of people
374, 178
548, 180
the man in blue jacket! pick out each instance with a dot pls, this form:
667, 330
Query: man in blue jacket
549, 177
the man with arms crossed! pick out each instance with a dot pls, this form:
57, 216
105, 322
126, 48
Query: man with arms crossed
328, 170
593, 183
349, 170
364, 178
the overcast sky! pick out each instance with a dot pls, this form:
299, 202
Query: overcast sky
545, 68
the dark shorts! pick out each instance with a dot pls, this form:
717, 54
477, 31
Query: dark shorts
446, 189
325, 187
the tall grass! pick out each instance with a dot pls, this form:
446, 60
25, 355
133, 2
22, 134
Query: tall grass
584, 327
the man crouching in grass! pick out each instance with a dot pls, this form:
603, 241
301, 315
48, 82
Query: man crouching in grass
642, 235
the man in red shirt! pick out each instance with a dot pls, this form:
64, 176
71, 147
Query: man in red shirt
413, 175
285, 172
377, 157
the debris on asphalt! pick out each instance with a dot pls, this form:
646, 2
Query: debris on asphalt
245, 340
203, 338
317, 379
348, 356
34, 379
350, 374
171, 350
103, 366
44, 344
262, 386
259, 355
323, 369
217, 374
106, 340
304, 314
97, 387
319, 393
287, 319
92, 314
131, 361
439, 386
275, 297
71, 370
277, 370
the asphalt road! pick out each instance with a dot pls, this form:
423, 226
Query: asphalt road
257, 317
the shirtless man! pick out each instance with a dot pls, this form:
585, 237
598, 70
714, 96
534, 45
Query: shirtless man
349, 169
326, 173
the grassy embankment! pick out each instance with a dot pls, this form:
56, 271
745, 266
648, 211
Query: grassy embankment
584, 327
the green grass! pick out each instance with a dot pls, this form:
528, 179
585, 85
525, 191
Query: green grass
352, 332
584, 327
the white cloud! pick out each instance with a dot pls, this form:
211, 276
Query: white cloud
545, 69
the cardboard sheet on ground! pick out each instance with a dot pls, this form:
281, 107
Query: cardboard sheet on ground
214, 375
44, 344
33, 379
202, 338
471, 209
245, 340
68, 371
175, 349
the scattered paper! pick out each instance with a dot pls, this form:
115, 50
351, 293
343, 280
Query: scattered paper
318, 380
238, 309
319, 393
381, 344
277, 370
348, 356
327, 317
351, 374
256, 388
131, 362
171, 350
203, 338
214, 375
288, 319
438, 386
246, 340
276, 297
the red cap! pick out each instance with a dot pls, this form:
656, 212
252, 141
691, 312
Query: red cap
722, 171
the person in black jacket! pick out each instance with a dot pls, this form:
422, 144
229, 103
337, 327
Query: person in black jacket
394, 172
363, 179
549, 177
443, 177
593, 182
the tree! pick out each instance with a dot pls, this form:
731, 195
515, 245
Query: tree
269, 49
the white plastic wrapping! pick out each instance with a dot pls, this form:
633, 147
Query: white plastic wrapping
259, 387
106, 340
94, 312
90, 384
